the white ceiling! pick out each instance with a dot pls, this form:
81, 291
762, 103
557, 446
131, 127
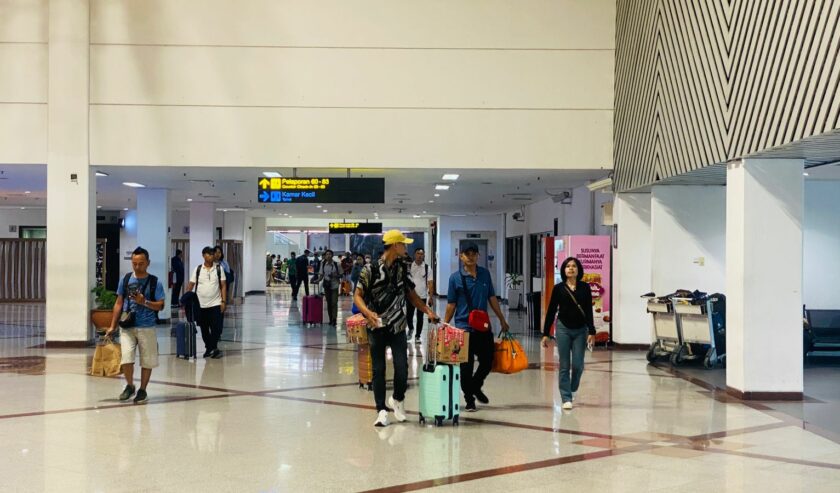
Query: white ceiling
407, 191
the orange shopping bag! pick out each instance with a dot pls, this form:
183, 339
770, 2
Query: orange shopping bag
509, 356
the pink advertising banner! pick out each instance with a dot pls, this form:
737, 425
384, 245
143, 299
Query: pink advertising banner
594, 254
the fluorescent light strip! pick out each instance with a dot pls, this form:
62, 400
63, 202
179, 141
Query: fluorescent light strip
133, 184
272, 174
451, 177
441, 187
99, 173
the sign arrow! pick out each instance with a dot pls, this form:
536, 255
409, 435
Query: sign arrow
264, 196
264, 183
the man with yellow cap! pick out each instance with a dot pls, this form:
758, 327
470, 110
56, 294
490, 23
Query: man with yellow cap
383, 289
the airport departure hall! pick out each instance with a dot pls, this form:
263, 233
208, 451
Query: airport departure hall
465, 245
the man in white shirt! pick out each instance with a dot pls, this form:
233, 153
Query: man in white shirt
208, 281
423, 279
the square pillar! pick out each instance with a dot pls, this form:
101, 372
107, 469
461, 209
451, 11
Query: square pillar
764, 224
153, 235
202, 231
71, 224
253, 256
631, 269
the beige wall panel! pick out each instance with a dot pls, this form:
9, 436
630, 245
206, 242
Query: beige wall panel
370, 23
202, 136
27, 82
23, 133
354, 77
24, 21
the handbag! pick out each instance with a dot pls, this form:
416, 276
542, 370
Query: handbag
106, 360
479, 320
509, 356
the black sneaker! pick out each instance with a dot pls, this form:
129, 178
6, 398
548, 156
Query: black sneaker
479, 395
141, 397
207, 353
127, 393
416, 340
470, 407
217, 354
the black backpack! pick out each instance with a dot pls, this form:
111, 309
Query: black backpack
153, 280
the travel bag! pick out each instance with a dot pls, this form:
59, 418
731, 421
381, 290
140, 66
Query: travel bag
365, 367
440, 388
313, 309
185, 340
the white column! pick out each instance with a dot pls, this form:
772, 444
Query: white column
70, 182
764, 224
202, 230
153, 235
253, 256
631, 268
688, 226
234, 226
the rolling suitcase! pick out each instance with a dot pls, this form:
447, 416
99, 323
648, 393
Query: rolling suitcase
440, 387
365, 367
313, 310
440, 398
185, 340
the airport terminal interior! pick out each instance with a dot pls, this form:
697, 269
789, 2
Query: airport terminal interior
684, 154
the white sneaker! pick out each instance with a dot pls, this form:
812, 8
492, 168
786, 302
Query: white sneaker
567, 405
381, 419
399, 410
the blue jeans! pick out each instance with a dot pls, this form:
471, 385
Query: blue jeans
571, 344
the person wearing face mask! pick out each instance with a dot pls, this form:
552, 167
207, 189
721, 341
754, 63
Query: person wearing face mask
571, 303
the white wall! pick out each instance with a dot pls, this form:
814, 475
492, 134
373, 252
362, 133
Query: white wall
23, 90
18, 217
447, 226
573, 219
821, 255
687, 223
253, 83
632, 269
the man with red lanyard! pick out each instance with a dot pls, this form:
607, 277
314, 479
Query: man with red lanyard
470, 291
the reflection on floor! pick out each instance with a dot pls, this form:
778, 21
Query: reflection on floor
283, 412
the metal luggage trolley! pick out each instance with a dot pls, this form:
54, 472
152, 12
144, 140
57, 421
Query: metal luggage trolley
702, 326
666, 327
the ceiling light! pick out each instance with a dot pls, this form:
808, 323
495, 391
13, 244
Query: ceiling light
325, 210
23, 208
272, 174
189, 200
803, 174
133, 184
424, 212
415, 216
99, 173
318, 206
125, 208
451, 177
431, 201
98, 206
437, 195
441, 187
31, 192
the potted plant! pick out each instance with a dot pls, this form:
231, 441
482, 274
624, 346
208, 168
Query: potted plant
514, 284
100, 316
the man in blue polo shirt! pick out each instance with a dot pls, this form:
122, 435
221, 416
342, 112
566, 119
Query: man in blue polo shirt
139, 293
474, 282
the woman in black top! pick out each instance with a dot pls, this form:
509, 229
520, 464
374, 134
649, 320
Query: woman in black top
571, 302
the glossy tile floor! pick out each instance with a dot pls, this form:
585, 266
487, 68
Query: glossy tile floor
282, 412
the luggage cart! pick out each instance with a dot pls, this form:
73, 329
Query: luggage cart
666, 328
703, 326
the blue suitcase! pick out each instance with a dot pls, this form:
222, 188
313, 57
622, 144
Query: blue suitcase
185, 340
440, 393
